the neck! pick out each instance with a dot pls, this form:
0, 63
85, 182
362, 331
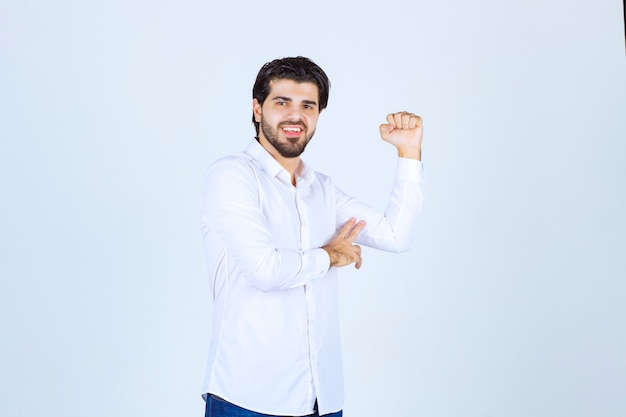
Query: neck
290, 164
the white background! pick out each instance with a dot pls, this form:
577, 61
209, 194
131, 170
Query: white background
512, 302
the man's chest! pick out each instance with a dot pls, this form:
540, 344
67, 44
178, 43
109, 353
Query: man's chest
298, 218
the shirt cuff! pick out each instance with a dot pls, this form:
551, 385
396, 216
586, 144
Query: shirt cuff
320, 261
410, 170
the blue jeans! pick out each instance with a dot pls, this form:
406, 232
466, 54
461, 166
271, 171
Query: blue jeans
217, 407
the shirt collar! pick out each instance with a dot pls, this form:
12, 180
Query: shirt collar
304, 174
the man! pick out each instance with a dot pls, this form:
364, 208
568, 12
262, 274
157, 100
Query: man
275, 233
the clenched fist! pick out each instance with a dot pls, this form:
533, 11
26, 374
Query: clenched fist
404, 130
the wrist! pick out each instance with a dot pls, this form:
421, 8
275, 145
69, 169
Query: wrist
331, 256
411, 153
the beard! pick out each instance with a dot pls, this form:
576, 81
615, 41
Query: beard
289, 148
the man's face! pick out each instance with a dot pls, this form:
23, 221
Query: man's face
288, 116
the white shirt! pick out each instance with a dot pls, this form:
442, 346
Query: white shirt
275, 345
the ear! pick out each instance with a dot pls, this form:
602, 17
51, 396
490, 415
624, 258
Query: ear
256, 110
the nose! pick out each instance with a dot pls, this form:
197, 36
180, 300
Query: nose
294, 114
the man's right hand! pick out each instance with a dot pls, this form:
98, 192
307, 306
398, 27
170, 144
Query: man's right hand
341, 249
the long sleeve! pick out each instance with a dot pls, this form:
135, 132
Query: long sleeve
394, 229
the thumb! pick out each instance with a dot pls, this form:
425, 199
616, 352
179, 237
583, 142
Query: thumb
385, 129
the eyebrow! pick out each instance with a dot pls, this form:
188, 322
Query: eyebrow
281, 98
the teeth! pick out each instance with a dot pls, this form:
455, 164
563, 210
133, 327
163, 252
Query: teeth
292, 129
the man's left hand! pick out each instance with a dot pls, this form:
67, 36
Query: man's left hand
404, 130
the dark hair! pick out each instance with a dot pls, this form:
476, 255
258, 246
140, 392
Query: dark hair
298, 69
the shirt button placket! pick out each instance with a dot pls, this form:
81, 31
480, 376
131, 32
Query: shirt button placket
310, 303
305, 236
305, 244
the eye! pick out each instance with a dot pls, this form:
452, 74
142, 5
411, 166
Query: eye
281, 103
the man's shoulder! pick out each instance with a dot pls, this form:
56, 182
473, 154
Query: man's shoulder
230, 172
322, 177
319, 176
233, 162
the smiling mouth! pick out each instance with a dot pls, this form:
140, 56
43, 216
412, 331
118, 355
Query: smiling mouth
292, 131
